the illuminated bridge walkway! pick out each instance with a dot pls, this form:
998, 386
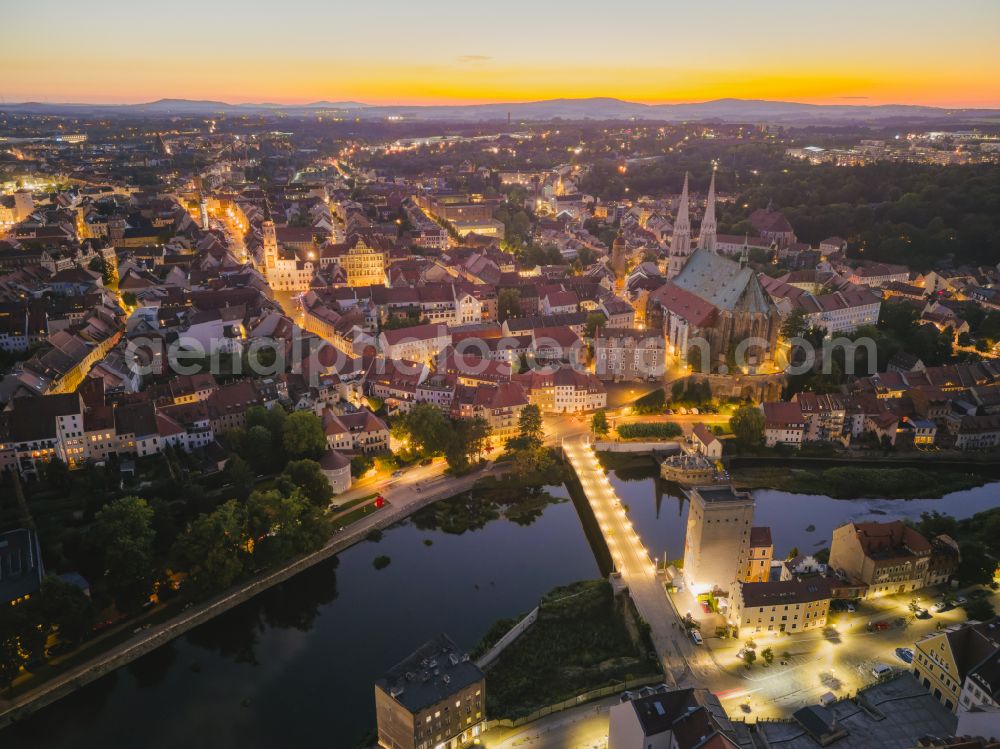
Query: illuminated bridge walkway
631, 559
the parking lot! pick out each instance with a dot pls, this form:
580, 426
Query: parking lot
838, 659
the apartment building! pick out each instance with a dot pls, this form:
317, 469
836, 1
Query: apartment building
783, 424
563, 390
435, 698
418, 343
628, 354
890, 557
792, 606
943, 660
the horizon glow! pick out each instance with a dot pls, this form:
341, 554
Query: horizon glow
451, 52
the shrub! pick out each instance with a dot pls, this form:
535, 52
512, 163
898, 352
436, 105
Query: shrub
666, 430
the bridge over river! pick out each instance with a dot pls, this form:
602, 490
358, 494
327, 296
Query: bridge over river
631, 561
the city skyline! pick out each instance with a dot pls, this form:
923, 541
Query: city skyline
890, 53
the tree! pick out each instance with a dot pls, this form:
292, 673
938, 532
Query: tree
427, 429
594, 321
302, 434
67, 608
56, 474
748, 425
283, 526
123, 532
273, 419
508, 304
471, 436
795, 325
240, 475
599, 423
307, 477
15, 628
792, 553
677, 390
529, 424
768, 655
213, 549
749, 657
259, 447
979, 609
976, 565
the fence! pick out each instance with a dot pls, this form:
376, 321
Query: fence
580, 699
512, 634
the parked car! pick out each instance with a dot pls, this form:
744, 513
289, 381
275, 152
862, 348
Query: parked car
851, 608
706, 607
941, 606
880, 671
961, 600
397, 474
905, 654
922, 613
696, 637
694, 411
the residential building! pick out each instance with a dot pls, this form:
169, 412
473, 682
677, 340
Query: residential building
499, 405
418, 343
783, 423
435, 698
797, 605
889, 557
942, 660
628, 354
981, 688
705, 442
21, 568
563, 390
824, 417
658, 718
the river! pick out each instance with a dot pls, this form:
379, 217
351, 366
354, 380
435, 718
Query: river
659, 512
295, 666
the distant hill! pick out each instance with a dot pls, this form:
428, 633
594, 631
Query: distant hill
598, 108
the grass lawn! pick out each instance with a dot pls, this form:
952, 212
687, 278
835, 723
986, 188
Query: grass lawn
580, 642
355, 515
353, 502
853, 482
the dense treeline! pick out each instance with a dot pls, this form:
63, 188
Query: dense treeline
914, 214
181, 533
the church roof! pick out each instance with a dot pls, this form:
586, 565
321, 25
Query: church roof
721, 281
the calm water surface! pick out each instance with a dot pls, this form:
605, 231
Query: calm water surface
659, 513
295, 667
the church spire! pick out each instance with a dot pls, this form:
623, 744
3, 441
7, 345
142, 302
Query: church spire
680, 241
708, 231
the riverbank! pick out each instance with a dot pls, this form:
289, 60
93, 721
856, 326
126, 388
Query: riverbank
584, 638
401, 504
857, 482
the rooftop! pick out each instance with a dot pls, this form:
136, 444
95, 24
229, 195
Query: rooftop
429, 675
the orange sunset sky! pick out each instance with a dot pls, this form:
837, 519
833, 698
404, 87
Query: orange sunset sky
440, 51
